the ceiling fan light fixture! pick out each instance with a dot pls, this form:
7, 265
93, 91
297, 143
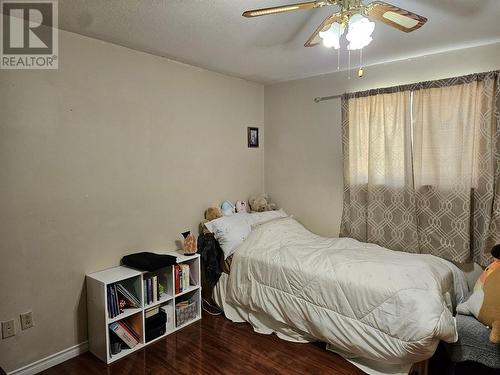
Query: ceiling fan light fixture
360, 31
331, 37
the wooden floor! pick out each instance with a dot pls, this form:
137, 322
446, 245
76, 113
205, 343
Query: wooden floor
216, 345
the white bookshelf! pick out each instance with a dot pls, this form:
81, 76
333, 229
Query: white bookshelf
133, 280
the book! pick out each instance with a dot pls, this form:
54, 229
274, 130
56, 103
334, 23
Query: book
130, 330
155, 289
117, 301
150, 291
151, 312
183, 269
159, 288
108, 297
181, 277
121, 331
185, 276
112, 302
110, 306
176, 278
180, 280
129, 297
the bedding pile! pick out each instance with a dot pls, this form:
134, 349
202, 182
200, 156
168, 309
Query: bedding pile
365, 301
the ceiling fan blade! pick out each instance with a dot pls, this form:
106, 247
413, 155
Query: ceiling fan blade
394, 16
314, 39
283, 8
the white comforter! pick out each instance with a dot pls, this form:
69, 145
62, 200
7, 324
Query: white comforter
367, 301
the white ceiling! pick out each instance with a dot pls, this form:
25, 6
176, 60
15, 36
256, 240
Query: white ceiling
212, 33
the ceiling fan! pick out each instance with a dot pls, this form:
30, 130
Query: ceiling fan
353, 15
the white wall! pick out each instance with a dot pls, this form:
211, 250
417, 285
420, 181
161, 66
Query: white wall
115, 152
303, 167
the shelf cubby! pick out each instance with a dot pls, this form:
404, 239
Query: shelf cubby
164, 276
187, 314
100, 336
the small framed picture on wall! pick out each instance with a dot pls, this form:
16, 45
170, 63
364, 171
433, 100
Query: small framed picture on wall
253, 137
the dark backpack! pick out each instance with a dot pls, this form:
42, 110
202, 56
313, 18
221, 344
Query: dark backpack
211, 258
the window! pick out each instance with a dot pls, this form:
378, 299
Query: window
422, 167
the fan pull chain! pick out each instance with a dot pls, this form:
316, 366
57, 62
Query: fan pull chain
338, 59
360, 70
349, 65
338, 49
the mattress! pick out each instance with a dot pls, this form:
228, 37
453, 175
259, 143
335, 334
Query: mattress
366, 302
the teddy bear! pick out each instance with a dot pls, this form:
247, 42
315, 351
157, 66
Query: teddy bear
227, 208
260, 203
484, 303
212, 213
241, 206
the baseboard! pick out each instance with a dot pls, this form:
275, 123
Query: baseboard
52, 360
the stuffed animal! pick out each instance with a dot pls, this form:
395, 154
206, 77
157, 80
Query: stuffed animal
212, 213
484, 303
261, 203
241, 206
227, 208
189, 245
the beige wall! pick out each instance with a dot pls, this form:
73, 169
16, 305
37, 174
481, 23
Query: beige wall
303, 168
115, 152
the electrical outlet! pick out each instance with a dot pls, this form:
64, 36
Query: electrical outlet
8, 329
26, 320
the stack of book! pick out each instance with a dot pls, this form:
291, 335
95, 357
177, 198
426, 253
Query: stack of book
125, 333
153, 290
181, 277
119, 298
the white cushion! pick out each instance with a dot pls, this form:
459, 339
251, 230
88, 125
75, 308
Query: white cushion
230, 231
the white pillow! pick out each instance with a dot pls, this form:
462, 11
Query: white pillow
262, 217
230, 231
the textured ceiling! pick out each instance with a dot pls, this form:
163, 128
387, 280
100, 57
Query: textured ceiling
212, 33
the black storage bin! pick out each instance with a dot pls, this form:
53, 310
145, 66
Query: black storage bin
156, 325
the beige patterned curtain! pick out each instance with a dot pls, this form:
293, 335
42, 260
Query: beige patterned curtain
378, 172
422, 167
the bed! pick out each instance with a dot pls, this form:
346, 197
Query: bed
383, 310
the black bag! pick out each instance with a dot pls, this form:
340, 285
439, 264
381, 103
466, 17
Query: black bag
211, 259
146, 261
156, 326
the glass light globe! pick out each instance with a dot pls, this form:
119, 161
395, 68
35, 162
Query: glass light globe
331, 37
359, 32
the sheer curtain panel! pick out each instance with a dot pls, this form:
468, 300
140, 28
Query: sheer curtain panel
422, 167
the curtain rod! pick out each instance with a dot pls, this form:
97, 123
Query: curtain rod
323, 98
417, 86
